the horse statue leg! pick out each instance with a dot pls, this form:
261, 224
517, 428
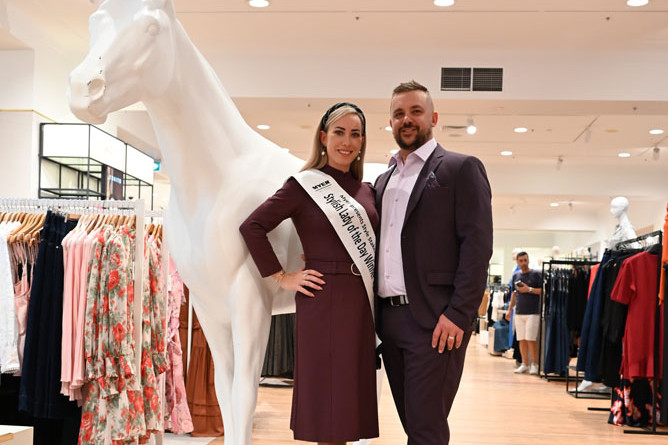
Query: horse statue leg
218, 328
251, 321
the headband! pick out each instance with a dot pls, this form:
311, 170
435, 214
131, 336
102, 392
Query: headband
323, 121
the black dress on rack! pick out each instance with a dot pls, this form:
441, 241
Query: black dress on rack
279, 360
56, 419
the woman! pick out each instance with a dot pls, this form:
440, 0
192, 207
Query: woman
334, 397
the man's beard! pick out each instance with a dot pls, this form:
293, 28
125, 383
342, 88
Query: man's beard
421, 137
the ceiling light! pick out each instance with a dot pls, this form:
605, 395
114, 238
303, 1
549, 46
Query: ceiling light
388, 128
506, 153
258, 3
637, 2
554, 204
470, 126
624, 155
656, 131
444, 2
521, 130
263, 127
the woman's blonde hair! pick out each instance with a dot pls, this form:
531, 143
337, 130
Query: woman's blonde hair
318, 158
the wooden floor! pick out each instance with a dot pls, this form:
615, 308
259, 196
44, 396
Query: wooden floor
493, 406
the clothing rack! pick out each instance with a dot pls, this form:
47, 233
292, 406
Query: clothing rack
546, 270
154, 214
137, 208
657, 332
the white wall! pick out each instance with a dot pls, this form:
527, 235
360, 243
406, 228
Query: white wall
16, 79
18, 152
17, 144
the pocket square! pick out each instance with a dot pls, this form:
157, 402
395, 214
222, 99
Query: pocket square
432, 182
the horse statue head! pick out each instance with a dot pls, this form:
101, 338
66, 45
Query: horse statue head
130, 58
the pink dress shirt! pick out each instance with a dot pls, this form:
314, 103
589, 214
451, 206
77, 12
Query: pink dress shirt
395, 201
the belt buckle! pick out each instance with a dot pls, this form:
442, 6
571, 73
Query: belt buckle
398, 303
352, 270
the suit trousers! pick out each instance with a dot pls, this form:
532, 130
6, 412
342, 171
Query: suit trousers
423, 382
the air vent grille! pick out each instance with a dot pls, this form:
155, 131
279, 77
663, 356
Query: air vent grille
471, 79
487, 79
455, 79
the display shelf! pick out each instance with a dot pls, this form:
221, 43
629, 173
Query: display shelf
83, 161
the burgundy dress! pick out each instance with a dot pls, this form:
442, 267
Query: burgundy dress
334, 397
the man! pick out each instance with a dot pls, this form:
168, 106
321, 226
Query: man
435, 243
527, 288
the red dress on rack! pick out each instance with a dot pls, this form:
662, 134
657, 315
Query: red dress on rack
636, 286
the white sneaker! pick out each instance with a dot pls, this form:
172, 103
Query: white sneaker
584, 386
521, 369
533, 370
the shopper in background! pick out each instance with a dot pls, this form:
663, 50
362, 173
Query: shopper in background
334, 397
525, 299
434, 249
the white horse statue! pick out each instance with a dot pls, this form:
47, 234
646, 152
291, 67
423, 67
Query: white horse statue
220, 170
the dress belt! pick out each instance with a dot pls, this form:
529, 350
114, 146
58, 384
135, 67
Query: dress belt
333, 267
394, 301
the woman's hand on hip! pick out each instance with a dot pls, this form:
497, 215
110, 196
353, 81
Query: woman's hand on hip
300, 281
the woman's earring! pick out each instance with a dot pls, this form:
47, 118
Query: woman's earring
322, 153
358, 158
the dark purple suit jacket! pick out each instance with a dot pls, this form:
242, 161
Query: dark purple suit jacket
446, 240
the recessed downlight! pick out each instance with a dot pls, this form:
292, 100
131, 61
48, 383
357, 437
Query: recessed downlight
444, 2
521, 130
624, 155
258, 3
636, 3
656, 131
394, 151
554, 204
263, 127
506, 153
388, 128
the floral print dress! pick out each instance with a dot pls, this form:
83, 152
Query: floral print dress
154, 354
122, 404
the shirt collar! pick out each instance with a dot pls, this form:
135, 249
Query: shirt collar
423, 152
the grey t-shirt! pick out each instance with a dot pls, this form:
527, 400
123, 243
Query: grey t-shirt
526, 303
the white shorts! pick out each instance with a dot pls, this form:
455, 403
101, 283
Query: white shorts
526, 326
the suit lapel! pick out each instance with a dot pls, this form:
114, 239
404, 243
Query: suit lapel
432, 164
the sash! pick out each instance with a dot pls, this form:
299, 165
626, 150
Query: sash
349, 220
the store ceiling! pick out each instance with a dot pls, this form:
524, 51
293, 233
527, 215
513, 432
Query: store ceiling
285, 64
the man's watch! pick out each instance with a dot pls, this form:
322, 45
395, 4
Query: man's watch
530, 289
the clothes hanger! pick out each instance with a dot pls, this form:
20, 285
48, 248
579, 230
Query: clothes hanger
37, 230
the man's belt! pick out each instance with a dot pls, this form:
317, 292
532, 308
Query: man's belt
394, 301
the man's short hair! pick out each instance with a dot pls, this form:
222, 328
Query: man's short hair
522, 253
405, 87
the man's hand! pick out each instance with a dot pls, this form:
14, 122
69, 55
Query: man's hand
507, 316
447, 334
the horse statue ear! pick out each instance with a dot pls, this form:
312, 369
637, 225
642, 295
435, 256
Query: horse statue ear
167, 5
